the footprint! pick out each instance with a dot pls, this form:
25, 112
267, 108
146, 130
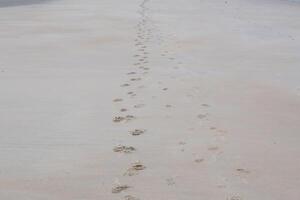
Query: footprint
235, 198
131, 73
132, 94
170, 181
124, 149
119, 188
221, 186
199, 160
118, 119
139, 105
243, 171
202, 116
129, 117
125, 85
135, 168
137, 132
123, 110
213, 148
135, 79
118, 100
129, 197
121, 119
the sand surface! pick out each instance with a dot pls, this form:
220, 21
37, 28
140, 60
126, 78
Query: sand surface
7, 3
211, 86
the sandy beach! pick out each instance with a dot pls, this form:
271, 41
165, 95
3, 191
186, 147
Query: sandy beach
143, 100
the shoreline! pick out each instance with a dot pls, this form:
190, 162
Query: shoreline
13, 3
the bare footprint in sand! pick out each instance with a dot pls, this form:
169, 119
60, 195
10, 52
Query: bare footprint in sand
137, 132
129, 197
135, 168
119, 188
124, 149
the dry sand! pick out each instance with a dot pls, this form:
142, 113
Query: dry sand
205, 94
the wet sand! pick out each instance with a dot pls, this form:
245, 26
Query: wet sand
8, 3
150, 100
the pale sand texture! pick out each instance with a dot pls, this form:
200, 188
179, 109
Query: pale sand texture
219, 108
